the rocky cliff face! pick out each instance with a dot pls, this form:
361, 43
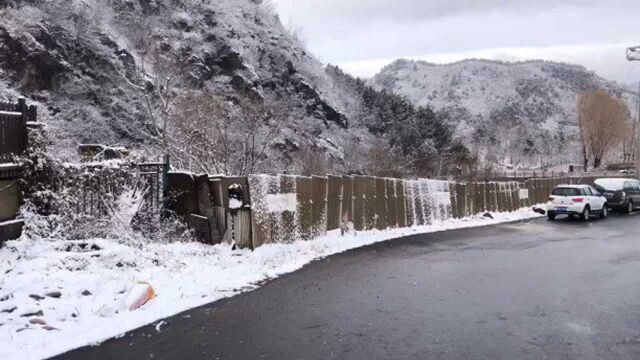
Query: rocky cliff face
519, 113
92, 67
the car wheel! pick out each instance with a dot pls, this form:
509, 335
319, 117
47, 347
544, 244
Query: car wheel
630, 207
605, 212
551, 216
586, 214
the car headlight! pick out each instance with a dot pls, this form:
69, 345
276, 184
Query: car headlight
624, 194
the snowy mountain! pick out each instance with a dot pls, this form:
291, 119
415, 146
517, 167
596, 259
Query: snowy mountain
518, 113
100, 70
85, 61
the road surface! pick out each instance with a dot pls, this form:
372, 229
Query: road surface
531, 290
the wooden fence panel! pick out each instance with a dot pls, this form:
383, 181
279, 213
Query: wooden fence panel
392, 202
455, 211
481, 205
461, 200
401, 207
409, 199
359, 194
381, 203
522, 190
547, 191
274, 208
548, 187
334, 202
425, 201
471, 204
481, 189
304, 196
370, 203
468, 199
288, 226
515, 195
506, 196
490, 194
347, 200
497, 196
261, 220
537, 185
532, 191
319, 205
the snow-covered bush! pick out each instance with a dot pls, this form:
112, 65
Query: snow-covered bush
94, 200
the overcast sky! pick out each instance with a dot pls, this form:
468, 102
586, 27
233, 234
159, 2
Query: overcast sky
364, 35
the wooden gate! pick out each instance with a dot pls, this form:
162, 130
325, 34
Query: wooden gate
13, 128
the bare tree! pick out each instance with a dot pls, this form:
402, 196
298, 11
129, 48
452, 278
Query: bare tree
354, 155
168, 72
384, 161
143, 37
209, 134
602, 121
310, 162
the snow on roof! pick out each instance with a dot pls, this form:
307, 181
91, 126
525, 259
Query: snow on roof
611, 184
613, 179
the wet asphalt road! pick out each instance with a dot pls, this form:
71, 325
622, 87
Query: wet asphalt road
531, 290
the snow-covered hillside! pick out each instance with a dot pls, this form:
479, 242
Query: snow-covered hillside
512, 112
90, 65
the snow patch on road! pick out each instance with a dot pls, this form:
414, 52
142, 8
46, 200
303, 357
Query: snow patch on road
57, 295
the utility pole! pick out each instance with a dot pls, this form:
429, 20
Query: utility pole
633, 54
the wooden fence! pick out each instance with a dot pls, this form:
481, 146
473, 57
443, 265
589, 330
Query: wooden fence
285, 208
13, 128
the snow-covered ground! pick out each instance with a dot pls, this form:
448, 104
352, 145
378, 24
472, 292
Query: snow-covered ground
57, 295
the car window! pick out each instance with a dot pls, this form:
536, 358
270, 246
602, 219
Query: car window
637, 186
564, 191
594, 192
609, 184
628, 186
586, 191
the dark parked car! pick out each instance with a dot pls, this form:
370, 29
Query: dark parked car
622, 194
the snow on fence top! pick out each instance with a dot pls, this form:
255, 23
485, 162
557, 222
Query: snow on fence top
10, 114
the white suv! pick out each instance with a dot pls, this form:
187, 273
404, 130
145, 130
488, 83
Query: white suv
576, 200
